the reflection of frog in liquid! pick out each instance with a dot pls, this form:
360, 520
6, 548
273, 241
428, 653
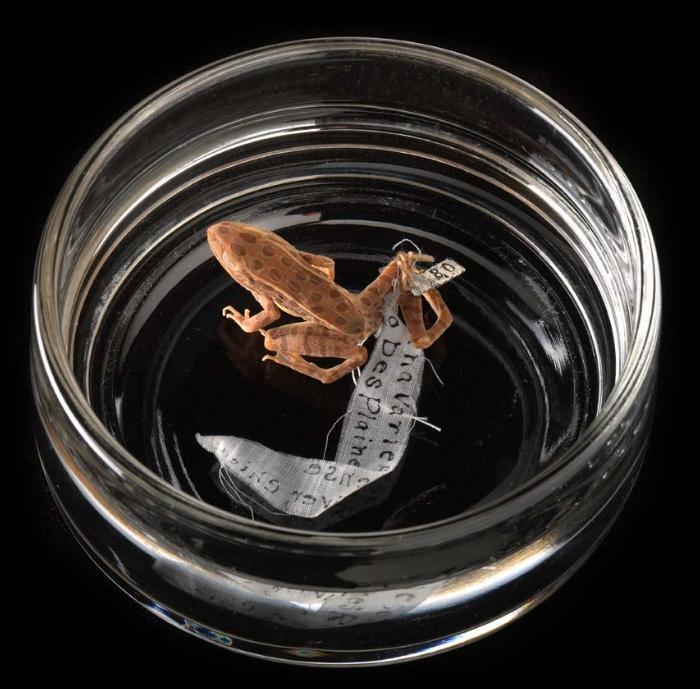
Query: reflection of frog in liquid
335, 321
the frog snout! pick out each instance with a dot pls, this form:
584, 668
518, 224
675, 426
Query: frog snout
218, 232
217, 236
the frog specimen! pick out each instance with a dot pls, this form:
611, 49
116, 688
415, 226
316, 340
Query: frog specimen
335, 322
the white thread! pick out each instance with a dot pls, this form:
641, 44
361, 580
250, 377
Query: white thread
229, 485
425, 422
330, 430
435, 373
410, 241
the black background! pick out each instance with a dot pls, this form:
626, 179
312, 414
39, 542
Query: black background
77, 79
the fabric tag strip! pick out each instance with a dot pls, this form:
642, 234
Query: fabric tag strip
374, 435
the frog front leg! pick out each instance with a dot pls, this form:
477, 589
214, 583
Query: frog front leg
292, 342
269, 314
412, 310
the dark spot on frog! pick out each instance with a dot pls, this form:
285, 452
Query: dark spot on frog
275, 274
299, 276
366, 301
334, 294
341, 306
268, 250
315, 279
250, 238
339, 320
256, 264
316, 296
286, 261
294, 286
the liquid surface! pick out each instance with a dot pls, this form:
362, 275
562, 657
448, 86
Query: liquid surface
518, 364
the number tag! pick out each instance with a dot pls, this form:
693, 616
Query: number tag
433, 277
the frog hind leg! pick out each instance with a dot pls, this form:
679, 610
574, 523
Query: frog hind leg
372, 297
323, 264
412, 310
292, 342
249, 324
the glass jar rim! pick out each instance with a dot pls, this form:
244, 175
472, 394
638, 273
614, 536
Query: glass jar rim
55, 362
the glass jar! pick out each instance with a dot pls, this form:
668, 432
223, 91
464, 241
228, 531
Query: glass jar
268, 119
